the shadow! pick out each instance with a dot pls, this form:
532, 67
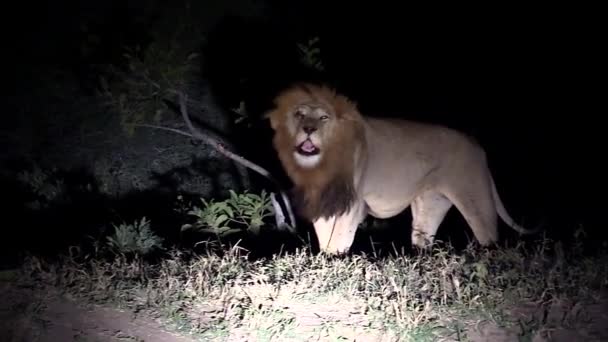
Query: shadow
81, 215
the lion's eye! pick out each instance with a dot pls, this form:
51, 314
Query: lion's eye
324, 118
299, 115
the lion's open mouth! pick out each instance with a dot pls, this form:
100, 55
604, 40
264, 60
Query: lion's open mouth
307, 148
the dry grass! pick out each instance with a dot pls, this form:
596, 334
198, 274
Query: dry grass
442, 294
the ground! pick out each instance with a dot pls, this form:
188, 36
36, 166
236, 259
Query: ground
27, 315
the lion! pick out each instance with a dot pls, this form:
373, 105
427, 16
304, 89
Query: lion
345, 166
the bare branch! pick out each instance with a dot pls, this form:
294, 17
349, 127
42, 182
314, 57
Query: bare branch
195, 133
162, 128
219, 146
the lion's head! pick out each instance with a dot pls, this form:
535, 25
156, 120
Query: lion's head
318, 134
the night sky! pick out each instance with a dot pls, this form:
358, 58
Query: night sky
524, 81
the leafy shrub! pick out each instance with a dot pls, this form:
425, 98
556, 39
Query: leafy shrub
44, 185
238, 213
153, 74
310, 54
49, 187
135, 238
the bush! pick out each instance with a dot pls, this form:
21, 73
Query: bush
135, 238
240, 212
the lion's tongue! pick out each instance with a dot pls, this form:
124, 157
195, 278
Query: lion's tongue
308, 146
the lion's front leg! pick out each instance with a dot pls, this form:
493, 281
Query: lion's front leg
337, 233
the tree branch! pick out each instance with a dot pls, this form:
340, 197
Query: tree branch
195, 133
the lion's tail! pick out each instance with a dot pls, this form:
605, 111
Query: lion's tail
504, 215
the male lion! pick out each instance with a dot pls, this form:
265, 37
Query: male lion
345, 166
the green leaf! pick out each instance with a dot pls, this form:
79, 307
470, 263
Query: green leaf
229, 212
220, 219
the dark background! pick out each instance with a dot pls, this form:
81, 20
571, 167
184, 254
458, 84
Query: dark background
525, 81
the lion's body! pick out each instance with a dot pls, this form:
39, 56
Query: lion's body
352, 166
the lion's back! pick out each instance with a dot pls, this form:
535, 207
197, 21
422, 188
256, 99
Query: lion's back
404, 155
398, 137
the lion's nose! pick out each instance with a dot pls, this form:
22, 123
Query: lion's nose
309, 129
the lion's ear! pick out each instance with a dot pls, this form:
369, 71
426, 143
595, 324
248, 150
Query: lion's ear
273, 120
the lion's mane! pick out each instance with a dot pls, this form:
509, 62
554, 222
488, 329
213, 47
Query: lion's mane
327, 189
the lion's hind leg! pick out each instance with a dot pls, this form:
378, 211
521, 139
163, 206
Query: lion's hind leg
475, 202
428, 211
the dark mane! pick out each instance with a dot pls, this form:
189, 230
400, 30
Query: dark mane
327, 189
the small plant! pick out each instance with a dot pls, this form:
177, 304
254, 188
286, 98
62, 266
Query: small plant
46, 185
310, 54
251, 209
239, 212
135, 238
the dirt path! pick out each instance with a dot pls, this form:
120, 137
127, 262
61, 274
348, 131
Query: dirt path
26, 315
